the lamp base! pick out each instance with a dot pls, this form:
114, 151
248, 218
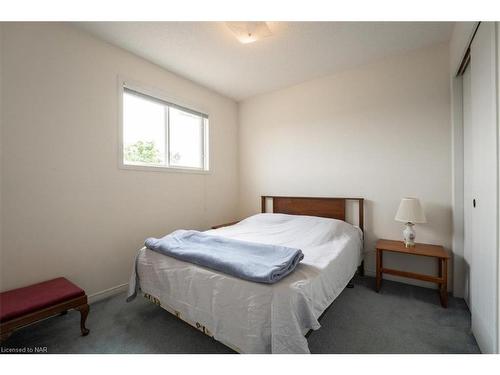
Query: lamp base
409, 235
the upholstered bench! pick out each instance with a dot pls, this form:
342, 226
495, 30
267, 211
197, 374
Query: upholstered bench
23, 306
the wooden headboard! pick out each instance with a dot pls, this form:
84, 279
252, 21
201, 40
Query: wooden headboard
333, 208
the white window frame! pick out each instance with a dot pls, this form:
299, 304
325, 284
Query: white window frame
167, 99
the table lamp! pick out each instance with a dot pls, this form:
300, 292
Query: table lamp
410, 212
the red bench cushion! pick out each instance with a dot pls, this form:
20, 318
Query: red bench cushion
22, 301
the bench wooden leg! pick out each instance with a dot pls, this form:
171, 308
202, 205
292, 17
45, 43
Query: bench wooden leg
84, 312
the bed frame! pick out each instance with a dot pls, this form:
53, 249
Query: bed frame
333, 208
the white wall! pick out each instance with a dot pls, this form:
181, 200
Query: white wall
381, 132
68, 210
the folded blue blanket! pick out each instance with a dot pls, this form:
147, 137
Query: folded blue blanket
247, 260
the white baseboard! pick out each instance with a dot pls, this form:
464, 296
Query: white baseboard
107, 293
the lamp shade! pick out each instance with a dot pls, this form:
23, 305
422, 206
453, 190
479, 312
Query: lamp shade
410, 211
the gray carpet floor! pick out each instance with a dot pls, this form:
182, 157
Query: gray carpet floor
399, 319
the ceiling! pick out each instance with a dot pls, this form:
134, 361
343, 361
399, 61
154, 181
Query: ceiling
209, 54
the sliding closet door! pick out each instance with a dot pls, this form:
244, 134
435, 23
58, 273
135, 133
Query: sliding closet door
484, 262
468, 178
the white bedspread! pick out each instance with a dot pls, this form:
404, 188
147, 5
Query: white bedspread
260, 318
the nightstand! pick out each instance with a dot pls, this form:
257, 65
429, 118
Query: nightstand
420, 249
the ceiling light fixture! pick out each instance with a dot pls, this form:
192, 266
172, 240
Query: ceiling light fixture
249, 32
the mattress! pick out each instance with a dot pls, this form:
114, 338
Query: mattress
251, 317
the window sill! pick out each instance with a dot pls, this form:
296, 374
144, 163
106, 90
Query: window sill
151, 168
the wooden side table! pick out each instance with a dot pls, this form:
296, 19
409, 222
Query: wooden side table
433, 251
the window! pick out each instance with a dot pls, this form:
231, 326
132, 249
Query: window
160, 134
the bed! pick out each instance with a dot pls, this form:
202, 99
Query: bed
252, 317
